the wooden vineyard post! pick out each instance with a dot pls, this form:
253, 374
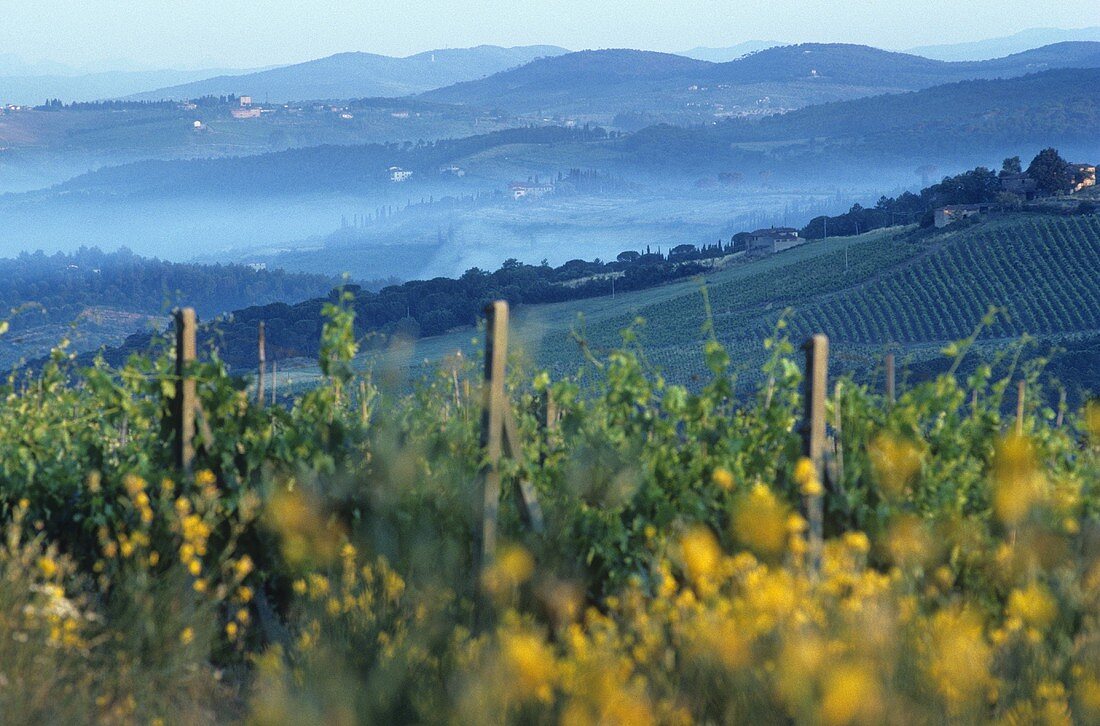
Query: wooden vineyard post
261, 345
1021, 391
890, 379
492, 427
813, 436
184, 403
548, 420
499, 435
1061, 409
838, 444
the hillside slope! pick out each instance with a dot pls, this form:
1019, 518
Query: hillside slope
359, 75
892, 289
980, 119
964, 120
901, 289
909, 292
609, 82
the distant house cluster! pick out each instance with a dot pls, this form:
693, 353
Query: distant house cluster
1084, 176
773, 239
1018, 184
955, 212
399, 175
530, 190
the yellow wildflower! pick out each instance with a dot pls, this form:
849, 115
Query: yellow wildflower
760, 521
530, 660
700, 553
857, 541
187, 635
805, 475
1017, 480
48, 566
512, 567
851, 696
1033, 605
723, 478
894, 462
243, 567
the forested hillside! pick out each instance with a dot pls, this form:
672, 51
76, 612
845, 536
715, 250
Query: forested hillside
113, 294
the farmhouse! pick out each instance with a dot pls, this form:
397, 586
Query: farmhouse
398, 175
954, 212
530, 190
1084, 176
245, 112
773, 239
1019, 184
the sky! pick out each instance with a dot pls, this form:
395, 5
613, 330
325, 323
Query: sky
253, 33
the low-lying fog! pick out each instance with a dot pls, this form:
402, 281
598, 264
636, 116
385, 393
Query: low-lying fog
406, 234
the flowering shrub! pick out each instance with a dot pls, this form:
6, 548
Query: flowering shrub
318, 566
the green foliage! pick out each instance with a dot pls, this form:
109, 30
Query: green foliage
1052, 173
337, 530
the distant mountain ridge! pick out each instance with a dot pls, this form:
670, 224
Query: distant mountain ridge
728, 53
996, 47
607, 81
359, 75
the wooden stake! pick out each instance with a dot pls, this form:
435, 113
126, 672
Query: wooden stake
262, 351
838, 448
1021, 390
529, 509
813, 434
549, 411
890, 378
1061, 409
184, 403
492, 429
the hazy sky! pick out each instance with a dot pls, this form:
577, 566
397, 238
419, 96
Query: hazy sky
249, 33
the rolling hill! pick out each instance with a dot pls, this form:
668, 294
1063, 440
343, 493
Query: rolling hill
958, 122
605, 83
953, 122
359, 75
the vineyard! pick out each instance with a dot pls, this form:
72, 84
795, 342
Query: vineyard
1043, 273
933, 560
912, 292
